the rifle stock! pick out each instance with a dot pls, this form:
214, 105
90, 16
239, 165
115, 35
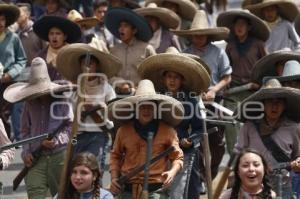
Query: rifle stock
36, 154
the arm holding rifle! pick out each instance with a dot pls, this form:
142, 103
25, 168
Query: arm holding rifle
7, 155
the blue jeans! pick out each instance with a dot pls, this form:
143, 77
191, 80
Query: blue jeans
296, 184
93, 142
17, 109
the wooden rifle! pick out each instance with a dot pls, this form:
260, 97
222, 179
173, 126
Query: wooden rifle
36, 155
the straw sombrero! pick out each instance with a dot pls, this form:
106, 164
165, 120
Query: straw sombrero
115, 16
266, 66
196, 77
123, 110
287, 8
88, 22
43, 26
68, 61
259, 28
10, 12
297, 25
187, 9
271, 90
168, 18
39, 84
200, 26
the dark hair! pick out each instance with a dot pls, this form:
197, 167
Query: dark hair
89, 160
266, 193
99, 3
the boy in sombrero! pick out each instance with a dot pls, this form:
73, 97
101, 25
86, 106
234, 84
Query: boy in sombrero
59, 32
217, 60
92, 135
135, 33
161, 20
42, 113
279, 15
183, 78
245, 46
145, 113
273, 129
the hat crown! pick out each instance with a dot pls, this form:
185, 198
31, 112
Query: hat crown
172, 50
272, 83
38, 71
145, 87
74, 16
151, 5
291, 68
200, 21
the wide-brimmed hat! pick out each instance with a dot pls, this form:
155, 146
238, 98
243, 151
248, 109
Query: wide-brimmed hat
187, 9
69, 66
167, 17
271, 90
170, 109
131, 4
88, 22
287, 8
200, 26
115, 16
10, 12
259, 28
200, 60
291, 71
43, 26
297, 24
39, 84
266, 66
196, 77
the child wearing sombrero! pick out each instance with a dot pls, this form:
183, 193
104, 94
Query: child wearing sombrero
134, 32
42, 113
245, 46
161, 20
183, 78
279, 15
217, 60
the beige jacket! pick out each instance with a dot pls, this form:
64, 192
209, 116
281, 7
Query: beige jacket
131, 56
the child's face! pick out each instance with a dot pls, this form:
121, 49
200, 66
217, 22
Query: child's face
2, 23
92, 65
200, 40
127, 32
100, 12
270, 13
241, 28
82, 178
251, 171
56, 38
52, 6
172, 81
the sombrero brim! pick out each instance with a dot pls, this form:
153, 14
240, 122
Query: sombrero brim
196, 78
10, 12
215, 34
168, 18
287, 8
291, 95
68, 61
124, 105
115, 16
259, 28
266, 66
198, 59
88, 22
24, 91
187, 9
43, 26
297, 25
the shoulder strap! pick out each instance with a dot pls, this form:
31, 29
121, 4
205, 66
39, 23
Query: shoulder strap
272, 146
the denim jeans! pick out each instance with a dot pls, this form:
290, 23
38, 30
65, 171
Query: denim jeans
93, 142
16, 118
